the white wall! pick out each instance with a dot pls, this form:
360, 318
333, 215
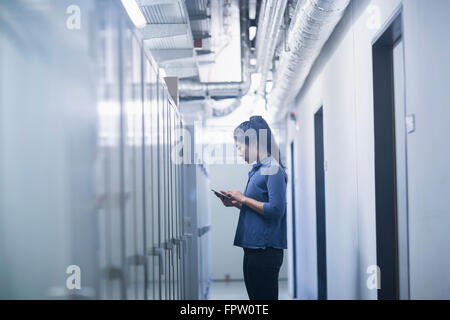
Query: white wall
341, 81
428, 98
227, 258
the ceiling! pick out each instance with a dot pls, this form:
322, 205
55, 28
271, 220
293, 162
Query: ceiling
173, 26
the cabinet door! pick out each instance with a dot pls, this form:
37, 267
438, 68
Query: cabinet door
128, 159
180, 189
162, 189
180, 210
171, 202
157, 250
167, 243
109, 166
137, 258
176, 232
151, 186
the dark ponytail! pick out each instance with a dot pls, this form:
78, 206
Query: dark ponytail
257, 123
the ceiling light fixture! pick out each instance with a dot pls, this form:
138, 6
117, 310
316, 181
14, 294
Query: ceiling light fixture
134, 13
252, 33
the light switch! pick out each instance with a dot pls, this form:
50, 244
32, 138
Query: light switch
410, 123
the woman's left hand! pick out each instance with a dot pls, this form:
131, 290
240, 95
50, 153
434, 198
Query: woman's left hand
236, 195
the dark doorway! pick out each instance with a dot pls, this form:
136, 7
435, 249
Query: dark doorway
385, 161
320, 207
294, 237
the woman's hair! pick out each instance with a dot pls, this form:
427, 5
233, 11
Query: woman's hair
257, 123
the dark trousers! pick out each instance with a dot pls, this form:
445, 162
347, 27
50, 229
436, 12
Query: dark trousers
261, 269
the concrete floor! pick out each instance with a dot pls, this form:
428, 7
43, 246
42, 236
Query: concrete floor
235, 290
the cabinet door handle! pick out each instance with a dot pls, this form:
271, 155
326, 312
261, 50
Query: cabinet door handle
168, 245
178, 242
158, 252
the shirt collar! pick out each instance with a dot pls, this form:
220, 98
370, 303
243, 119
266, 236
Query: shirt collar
258, 164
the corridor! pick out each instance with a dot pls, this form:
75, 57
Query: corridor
120, 128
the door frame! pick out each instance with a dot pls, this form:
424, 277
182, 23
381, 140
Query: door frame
319, 152
390, 135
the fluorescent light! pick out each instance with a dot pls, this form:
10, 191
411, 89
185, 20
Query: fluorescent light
134, 13
252, 33
162, 72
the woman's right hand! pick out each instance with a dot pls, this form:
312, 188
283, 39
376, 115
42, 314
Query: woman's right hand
229, 202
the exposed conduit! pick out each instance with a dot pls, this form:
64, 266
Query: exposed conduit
268, 37
312, 24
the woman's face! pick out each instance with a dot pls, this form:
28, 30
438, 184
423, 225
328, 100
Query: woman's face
247, 152
242, 149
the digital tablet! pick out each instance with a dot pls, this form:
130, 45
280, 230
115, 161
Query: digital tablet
220, 194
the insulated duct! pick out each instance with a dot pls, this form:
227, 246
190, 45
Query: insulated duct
221, 112
311, 26
268, 34
215, 90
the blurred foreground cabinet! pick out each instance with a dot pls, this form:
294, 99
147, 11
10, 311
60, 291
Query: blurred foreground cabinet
91, 203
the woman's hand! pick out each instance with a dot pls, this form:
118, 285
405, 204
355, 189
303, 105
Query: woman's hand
236, 195
243, 200
230, 202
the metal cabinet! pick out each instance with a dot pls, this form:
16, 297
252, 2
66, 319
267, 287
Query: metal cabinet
140, 222
197, 228
113, 196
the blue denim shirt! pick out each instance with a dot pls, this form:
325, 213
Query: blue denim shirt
266, 183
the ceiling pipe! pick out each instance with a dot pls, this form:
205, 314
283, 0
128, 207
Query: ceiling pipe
266, 11
221, 112
190, 89
311, 26
268, 37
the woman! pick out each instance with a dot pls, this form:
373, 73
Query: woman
261, 229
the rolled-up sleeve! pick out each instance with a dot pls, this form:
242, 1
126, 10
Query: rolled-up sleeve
276, 187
